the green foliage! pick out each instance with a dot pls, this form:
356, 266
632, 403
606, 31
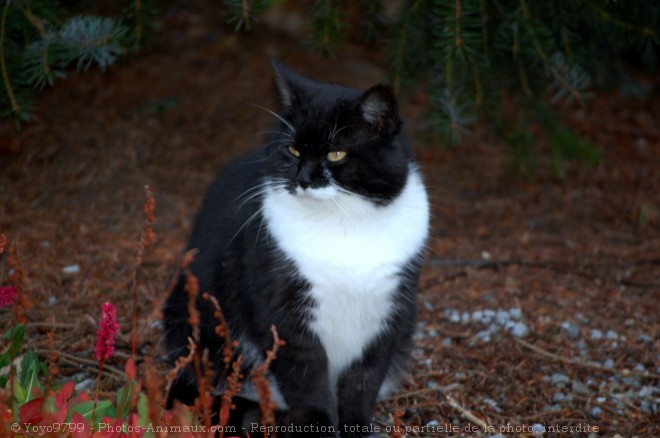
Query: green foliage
328, 25
38, 409
469, 51
244, 12
41, 39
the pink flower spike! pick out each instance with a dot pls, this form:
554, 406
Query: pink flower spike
108, 328
8, 296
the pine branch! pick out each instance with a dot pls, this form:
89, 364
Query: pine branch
328, 25
245, 12
15, 107
544, 57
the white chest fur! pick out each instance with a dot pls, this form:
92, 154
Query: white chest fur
351, 252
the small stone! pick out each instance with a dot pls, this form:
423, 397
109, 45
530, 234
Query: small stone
640, 367
432, 333
559, 396
551, 408
52, 300
486, 255
477, 316
560, 379
571, 329
71, 269
612, 335
433, 423
519, 330
447, 342
609, 363
432, 385
646, 391
538, 428
596, 335
645, 407
502, 317
596, 411
483, 336
465, 318
579, 387
454, 316
489, 314
493, 404
515, 313
428, 306
85, 385
643, 337
601, 400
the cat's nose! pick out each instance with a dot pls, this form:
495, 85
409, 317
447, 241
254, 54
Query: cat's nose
304, 177
304, 181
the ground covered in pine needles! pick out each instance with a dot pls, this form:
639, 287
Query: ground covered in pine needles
538, 304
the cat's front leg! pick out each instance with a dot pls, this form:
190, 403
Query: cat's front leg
357, 391
301, 372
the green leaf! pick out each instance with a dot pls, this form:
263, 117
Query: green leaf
16, 335
20, 393
87, 407
143, 410
30, 369
124, 395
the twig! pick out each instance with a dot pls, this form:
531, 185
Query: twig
466, 413
77, 360
583, 364
453, 403
3, 65
555, 266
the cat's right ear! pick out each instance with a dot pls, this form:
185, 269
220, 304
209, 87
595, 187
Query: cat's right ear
286, 79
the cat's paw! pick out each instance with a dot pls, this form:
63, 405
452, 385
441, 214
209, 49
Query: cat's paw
306, 421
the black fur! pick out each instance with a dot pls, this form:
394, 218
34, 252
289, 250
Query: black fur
257, 286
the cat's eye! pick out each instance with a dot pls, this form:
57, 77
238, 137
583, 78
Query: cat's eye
293, 151
335, 156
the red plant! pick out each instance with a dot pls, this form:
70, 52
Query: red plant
8, 295
108, 328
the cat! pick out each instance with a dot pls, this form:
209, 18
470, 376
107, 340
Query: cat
320, 233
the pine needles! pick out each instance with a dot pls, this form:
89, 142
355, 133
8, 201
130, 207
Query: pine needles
40, 41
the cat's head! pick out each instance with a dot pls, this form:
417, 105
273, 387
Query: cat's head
333, 140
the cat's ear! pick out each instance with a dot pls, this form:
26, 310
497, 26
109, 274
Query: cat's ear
378, 107
287, 81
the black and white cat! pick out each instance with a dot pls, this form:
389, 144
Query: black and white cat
321, 234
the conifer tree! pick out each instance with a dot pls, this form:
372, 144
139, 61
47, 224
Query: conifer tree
40, 40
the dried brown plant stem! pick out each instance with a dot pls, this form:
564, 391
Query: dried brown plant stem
583, 364
3, 63
96, 393
452, 402
77, 360
146, 240
465, 413
266, 403
53, 370
153, 384
233, 381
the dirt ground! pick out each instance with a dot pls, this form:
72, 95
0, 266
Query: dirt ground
539, 302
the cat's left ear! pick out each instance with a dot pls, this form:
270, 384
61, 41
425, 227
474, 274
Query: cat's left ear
287, 81
379, 108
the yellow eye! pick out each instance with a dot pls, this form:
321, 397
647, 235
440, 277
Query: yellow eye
335, 156
293, 151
